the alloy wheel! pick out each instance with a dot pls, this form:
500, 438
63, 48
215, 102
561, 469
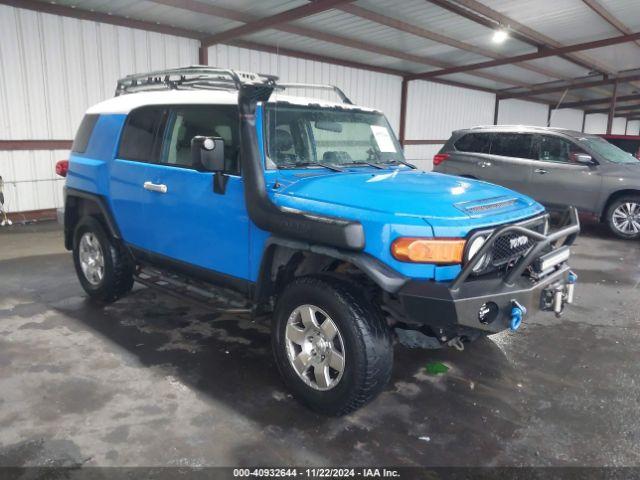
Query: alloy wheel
91, 258
626, 218
315, 347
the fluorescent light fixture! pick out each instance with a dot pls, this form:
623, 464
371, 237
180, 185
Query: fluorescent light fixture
499, 36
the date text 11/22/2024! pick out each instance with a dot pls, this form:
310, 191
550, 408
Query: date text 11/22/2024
316, 472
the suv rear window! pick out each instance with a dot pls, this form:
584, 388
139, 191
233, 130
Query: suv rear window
141, 133
84, 133
474, 142
518, 145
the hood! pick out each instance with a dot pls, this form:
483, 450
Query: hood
401, 192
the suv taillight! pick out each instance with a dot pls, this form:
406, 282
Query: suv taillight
439, 158
62, 167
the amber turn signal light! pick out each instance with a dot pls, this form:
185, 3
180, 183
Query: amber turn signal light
427, 250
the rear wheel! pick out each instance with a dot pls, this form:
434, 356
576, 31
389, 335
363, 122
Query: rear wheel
623, 217
333, 350
103, 266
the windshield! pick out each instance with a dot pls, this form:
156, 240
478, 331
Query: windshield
304, 136
607, 150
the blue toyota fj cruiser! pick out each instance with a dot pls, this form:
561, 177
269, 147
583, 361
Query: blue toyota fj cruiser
199, 177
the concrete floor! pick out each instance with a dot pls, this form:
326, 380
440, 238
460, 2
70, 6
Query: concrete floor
151, 381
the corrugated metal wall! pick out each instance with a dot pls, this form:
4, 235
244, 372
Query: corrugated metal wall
618, 126
595, 123
370, 89
567, 118
53, 69
435, 110
520, 112
633, 128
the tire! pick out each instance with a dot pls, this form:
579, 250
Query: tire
363, 339
623, 217
116, 277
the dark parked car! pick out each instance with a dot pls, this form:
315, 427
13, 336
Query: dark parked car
557, 167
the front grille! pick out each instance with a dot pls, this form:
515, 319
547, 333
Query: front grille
511, 246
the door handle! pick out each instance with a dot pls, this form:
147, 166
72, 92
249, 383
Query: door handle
541, 171
484, 164
155, 187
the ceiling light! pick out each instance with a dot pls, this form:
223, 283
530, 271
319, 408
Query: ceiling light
499, 36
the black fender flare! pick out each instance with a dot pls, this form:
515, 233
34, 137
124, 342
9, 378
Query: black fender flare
71, 196
388, 279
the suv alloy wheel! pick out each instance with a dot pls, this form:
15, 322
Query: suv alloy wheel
623, 217
331, 347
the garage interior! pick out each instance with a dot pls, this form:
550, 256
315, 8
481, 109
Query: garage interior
153, 381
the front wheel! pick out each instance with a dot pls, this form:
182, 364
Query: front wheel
332, 348
623, 217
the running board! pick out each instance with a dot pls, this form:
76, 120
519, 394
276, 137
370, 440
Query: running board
201, 294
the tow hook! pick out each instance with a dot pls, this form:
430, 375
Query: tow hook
456, 343
517, 312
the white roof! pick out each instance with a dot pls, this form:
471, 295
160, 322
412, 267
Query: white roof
123, 104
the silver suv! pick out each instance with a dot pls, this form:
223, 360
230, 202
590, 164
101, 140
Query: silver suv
556, 167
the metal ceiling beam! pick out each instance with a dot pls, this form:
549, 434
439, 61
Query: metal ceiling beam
311, 56
436, 37
63, 11
546, 41
595, 101
619, 111
542, 53
204, 8
273, 21
493, 19
610, 18
570, 85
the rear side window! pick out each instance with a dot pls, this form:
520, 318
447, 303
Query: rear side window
141, 134
519, 145
84, 133
474, 142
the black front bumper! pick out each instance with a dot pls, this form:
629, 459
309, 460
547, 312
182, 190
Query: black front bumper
486, 303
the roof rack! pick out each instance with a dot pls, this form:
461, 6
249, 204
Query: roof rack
207, 78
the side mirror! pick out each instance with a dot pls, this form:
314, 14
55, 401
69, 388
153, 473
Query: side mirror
208, 153
583, 159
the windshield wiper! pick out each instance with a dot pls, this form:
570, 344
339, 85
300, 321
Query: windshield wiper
314, 164
403, 162
364, 162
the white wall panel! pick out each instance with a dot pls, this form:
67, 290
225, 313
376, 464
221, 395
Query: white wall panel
520, 112
596, 123
369, 89
30, 182
435, 110
421, 155
52, 69
567, 118
618, 126
634, 127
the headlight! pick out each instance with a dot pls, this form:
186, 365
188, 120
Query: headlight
428, 250
475, 246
